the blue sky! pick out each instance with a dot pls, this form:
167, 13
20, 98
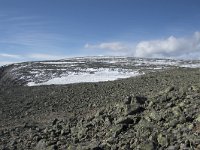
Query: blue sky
50, 29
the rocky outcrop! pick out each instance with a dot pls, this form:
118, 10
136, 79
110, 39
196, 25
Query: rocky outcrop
7, 78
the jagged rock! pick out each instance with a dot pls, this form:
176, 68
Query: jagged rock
52, 147
140, 99
12, 142
198, 118
128, 100
99, 113
190, 126
173, 123
198, 146
182, 119
64, 132
144, 124
162, 140
125, 120
54, 121
73, 130
173, 147
72, 147
41, 145
108, 121
176, 111
151, 103
45, 130
94, 146
147, 146
132, 109
116, 130
81, 132
111, 140
155, 115
169, 89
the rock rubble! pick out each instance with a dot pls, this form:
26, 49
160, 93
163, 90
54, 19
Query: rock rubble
165, 118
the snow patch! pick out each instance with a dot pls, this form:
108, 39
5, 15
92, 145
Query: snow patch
62, 62
101, 75
191, 65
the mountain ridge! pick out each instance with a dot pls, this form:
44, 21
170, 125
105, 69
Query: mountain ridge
106, 68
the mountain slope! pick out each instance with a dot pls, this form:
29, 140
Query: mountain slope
85, 69
162, 113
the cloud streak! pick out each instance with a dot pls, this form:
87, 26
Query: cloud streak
2, 63
29, 33
10, 56
40, 56
113, 46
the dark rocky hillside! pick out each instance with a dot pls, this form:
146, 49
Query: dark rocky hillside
6, 78
158, 110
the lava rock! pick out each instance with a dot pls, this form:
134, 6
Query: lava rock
41, 145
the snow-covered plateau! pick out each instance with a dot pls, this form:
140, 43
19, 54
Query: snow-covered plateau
91, 69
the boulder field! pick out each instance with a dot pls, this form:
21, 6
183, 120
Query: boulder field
155, 111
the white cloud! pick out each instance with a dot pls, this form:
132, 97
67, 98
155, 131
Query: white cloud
39, 56
9, 55
113, 46
2, 63
170, 47
173, 47
10, 58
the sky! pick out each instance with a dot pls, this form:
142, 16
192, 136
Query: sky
33, 30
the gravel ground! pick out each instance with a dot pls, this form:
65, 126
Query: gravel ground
152, 111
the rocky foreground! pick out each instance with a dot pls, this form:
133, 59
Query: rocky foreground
148, 112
